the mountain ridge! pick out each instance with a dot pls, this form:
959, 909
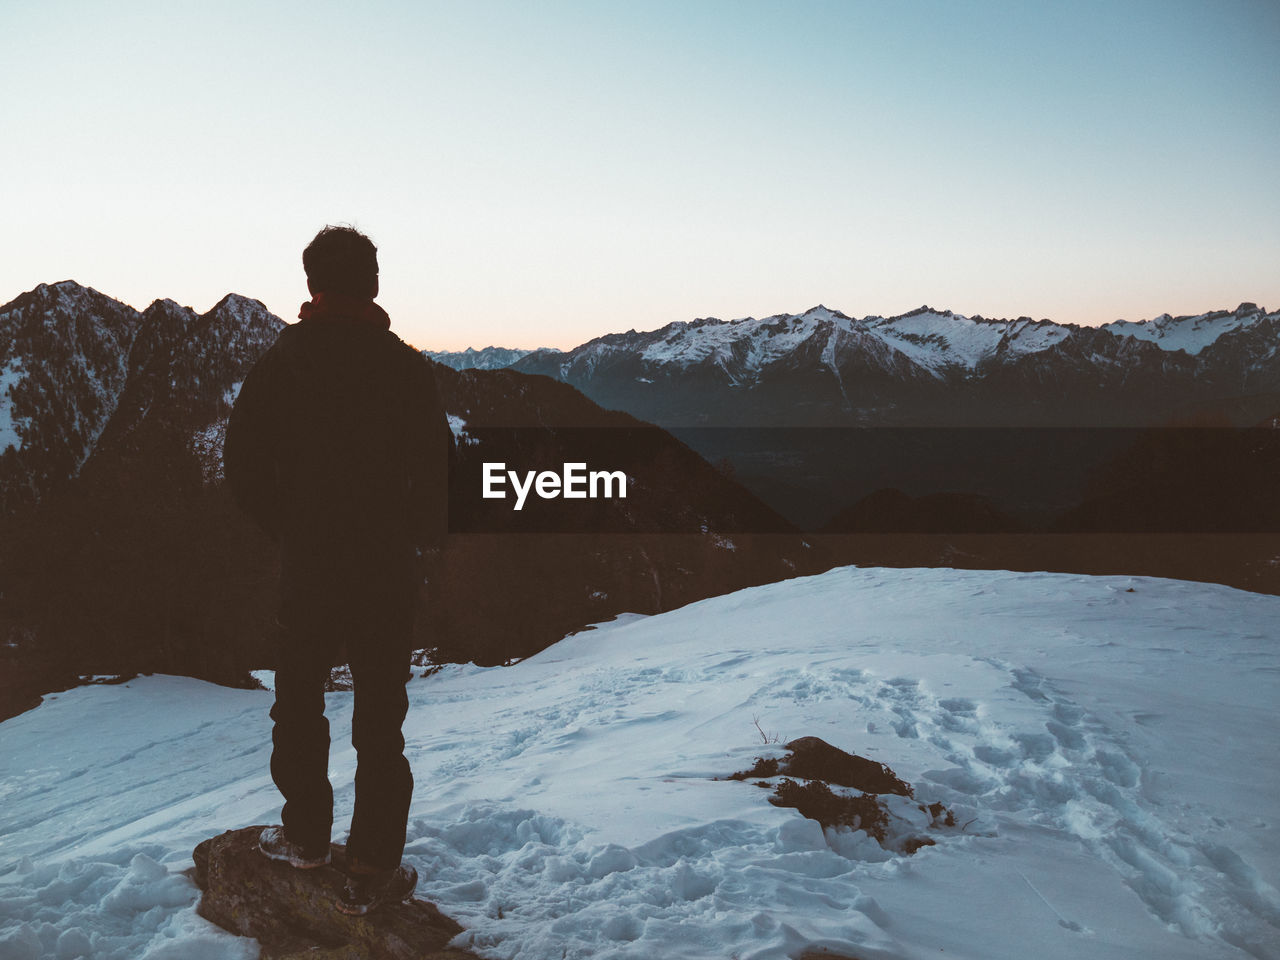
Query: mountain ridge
1155, 329
924, 367
71, 356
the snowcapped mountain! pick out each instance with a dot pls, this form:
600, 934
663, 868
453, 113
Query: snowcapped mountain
1190, 334
81, 369
822, 367
490, 358
64, 358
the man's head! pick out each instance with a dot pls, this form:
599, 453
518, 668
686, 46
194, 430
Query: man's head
341, 260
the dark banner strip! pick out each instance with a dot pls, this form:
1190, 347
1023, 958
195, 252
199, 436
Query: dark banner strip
872, 480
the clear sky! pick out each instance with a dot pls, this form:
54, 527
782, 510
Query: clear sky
539, 173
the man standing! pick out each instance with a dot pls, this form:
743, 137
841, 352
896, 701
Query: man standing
338, 447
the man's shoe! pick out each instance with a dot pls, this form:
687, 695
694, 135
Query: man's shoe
366, 892
274, 846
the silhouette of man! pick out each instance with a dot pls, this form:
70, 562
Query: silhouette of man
338, 447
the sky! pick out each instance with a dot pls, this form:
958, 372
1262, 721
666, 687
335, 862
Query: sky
540, 173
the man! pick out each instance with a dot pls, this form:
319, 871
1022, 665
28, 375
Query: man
338, 447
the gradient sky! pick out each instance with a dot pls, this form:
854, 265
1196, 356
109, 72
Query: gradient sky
539, 173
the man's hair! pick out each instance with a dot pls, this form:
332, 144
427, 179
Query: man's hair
341, 260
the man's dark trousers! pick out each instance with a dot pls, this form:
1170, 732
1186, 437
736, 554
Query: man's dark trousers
377, 648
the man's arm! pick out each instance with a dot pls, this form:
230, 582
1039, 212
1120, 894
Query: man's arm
249, 453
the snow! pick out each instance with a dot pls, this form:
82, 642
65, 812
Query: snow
207, 442
1027, 337
490, 358
1108, 742
767, 340
265, 677
458, 427
940, 339
936, 340
1191, 334
11, 374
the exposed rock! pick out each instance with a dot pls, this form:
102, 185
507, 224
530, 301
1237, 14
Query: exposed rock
815, 759
812, 758
816, 801
896, 825
291, 912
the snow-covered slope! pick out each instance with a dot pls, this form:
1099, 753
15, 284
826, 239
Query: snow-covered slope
1191, 333
1108, 743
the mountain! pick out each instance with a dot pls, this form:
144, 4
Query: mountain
122, 550
82, 369
490, 358
64, 360
928, 367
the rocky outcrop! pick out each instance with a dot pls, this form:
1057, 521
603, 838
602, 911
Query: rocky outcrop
885, 806
812, 758
291, 912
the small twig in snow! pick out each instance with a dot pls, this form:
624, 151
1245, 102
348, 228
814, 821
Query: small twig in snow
767, 738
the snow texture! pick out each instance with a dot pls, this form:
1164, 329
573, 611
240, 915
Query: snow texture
490, 358
1191, 334
458, 427
1107, 744
208, 442
11, 427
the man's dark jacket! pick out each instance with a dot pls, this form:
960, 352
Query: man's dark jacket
338, 446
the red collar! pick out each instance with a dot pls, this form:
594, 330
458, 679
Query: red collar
340, 306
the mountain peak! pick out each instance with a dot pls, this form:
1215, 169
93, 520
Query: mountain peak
238, 303
63, 291
166, 304
489, 358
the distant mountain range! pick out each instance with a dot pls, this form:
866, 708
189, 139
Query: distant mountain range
926, 367
490, 358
